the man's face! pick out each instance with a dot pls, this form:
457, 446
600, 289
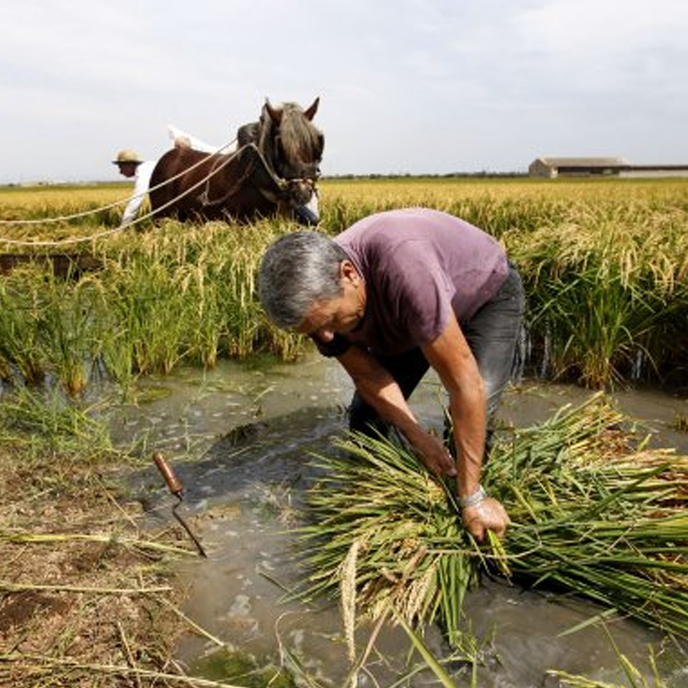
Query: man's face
341, 314
127, 169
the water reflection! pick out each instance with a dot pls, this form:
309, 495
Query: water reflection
250, 430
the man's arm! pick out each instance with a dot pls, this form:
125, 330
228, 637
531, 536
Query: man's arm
141, 184
451, 357
379, 389
457, 368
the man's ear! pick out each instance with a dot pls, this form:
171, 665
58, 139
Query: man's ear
347, 270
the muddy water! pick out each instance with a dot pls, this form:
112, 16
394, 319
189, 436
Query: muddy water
249, 429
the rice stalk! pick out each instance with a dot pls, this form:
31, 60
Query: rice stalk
427, 656
133, 543
20, 328
46, 665
348, 598
67, 329
24, 587
591, 515
151, 308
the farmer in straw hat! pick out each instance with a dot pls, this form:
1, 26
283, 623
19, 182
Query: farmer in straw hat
129, 166
395, 294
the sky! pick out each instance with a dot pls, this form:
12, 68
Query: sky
405, 86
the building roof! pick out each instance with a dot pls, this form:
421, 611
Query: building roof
584, 162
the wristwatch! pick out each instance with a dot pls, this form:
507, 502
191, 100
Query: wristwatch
473, 499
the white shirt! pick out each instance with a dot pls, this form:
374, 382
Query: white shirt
141, 184
195, 143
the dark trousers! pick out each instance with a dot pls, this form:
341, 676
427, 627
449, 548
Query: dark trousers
493, 335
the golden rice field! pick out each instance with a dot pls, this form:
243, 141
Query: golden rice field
605, 265
604, 262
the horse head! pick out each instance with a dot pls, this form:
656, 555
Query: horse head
290, 142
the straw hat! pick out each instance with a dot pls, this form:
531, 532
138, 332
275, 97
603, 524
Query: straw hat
127, 156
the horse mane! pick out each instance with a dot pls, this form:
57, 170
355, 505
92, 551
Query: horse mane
298, 132
299, 137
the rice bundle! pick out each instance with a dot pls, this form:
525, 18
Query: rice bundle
594, 513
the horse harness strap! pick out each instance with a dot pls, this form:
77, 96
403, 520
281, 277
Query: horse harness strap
204, 197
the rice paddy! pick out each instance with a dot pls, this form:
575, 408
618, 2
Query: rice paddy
592, 513
595, 514
604, 264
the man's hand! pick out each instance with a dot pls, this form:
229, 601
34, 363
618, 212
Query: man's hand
434, 454
488, 514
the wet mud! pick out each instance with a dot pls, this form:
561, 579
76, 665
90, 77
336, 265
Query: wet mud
252, 431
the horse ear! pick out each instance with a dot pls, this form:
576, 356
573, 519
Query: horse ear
275, 113
310, 112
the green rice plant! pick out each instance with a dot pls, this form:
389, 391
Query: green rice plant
206, 327
21, 305
151, 310
591, 515
233, 271
49, 326
116, 351
186, 293
372, 497
431, 661
604, 290
597, 327
49, 420
242, 310
669, 342
68, 330
604, 262
286, 345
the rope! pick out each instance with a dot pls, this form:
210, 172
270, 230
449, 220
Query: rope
76, 240
63, 242
281, 184
86, 213
215, 169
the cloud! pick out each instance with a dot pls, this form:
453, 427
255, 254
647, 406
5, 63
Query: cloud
607, 45
604, 27
405, 85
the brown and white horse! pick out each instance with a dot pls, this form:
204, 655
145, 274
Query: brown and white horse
273, 171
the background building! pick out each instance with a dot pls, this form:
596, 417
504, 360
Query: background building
593, 167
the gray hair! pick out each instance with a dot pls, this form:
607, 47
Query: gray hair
298, 270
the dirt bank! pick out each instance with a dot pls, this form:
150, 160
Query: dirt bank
87, 598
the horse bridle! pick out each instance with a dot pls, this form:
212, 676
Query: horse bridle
285, 186
277, 166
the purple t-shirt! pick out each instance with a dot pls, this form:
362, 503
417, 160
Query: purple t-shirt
418, 265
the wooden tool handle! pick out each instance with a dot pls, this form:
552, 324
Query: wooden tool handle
170, 478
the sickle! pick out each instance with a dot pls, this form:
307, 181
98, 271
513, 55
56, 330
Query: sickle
177, 490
